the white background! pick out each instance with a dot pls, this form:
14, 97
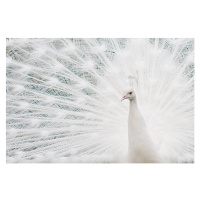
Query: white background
129, 19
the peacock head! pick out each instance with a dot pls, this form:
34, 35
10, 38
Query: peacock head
130, 94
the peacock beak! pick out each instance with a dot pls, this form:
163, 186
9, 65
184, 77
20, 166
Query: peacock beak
123, 98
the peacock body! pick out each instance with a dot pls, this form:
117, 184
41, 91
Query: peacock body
64, 98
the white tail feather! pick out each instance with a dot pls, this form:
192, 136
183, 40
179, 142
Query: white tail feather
63, 98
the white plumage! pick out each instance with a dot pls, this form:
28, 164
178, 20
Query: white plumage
141, 148
63, 100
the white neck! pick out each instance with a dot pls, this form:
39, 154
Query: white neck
141, 147
136, 124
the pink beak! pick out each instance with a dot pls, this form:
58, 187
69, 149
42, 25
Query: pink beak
123, 98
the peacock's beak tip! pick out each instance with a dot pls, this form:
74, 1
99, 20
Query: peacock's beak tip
123, 98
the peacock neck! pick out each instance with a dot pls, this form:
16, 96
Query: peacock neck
136, 124
134, 112
141, 147
133, 103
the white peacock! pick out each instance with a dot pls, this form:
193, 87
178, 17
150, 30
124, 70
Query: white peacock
64, 100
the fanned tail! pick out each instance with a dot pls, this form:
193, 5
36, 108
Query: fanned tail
63, 97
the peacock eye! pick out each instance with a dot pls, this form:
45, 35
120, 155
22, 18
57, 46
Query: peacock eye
130, 92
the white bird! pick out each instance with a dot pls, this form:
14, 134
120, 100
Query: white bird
63, 100
141, 148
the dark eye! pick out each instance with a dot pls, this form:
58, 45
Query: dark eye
130, 92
